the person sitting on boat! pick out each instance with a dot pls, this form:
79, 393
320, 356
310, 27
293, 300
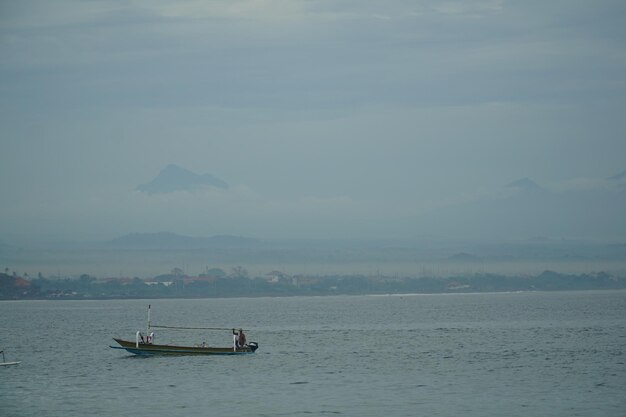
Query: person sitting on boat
240, 338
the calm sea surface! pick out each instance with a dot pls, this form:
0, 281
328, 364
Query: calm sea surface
523, 354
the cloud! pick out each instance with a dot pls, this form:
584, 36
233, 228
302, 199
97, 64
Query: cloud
239, 210
322, 9
204, 212
300, 55
236, 9
587, 184
338, 114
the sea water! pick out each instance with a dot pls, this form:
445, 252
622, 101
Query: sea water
504, 354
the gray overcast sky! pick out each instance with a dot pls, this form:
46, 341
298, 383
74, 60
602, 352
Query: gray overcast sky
327, 118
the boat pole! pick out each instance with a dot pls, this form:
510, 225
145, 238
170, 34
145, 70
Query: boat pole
148, 327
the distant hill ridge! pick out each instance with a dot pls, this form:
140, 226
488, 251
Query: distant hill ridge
525, 184
174, 178
168, 240
618, 177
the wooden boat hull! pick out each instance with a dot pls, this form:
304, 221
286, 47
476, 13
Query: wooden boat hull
152, 349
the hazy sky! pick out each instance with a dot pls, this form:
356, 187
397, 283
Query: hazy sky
327, 118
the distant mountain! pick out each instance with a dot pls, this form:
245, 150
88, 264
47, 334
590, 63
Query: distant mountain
174, 178
618, 177
168, 240
531, 210
618, 180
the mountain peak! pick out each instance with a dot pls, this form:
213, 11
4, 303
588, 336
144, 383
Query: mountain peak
174, 169
174, 178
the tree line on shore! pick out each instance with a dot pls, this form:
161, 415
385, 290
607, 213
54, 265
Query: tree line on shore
237, 283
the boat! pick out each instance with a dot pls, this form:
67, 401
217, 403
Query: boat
154, 349
4, 361
146, 346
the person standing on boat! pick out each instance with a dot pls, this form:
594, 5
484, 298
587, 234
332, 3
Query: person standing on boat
240, 338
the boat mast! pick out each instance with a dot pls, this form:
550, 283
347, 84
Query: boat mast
148, 327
